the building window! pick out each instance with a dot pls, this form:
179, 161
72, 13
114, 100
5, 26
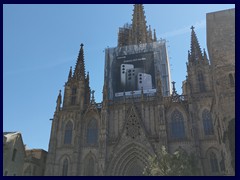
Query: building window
177, 125
73, 100
207, 122
65, 168
74, 91
89, 171
92, 132
231, 80
214, 162
14, 154
68, 133
201, 82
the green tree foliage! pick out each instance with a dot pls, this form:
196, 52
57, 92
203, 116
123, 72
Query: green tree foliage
177, 164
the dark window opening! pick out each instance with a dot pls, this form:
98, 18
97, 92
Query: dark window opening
231, 80
73, 100
14, 154
74, 90
177, 125
92, 132
68, 133
207, 123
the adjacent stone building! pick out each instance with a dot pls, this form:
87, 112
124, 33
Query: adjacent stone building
18, 161
35, 161
13, 154
140, 111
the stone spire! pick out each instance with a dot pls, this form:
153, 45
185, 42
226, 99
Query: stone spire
155, 37
88, 90
70, 73
150, 34
59, 101
196, 53
79, 72
205, 58
139, 27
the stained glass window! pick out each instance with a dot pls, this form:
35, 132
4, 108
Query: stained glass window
207, 123
68, 133
177, 125
92, 132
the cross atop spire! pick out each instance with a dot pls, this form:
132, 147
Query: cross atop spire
79, 72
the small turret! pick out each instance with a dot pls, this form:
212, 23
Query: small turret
154, 34
70, 73
59, 101
205, 58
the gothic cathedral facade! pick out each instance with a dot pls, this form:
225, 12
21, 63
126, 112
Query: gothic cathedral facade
141, 112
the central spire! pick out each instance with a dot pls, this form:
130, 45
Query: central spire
139, 26
137, 32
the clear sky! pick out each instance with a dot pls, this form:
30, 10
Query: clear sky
41, 42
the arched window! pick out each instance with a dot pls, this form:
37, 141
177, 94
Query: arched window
177, 125
92, 132
65, 168
231, 80
213, 162
89, 171
201, 82
68, 133
207, 123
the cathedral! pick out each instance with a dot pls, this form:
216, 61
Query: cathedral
141, 110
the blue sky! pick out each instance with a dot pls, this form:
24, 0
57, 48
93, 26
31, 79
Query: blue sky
41, 42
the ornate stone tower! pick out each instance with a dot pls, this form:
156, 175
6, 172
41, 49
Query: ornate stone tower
198, 68
77, 90
63, 153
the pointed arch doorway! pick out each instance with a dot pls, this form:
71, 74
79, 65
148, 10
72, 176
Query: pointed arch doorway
134, 168
129, 161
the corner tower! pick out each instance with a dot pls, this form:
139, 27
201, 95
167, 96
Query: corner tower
77, 90
63, 151
198, 68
